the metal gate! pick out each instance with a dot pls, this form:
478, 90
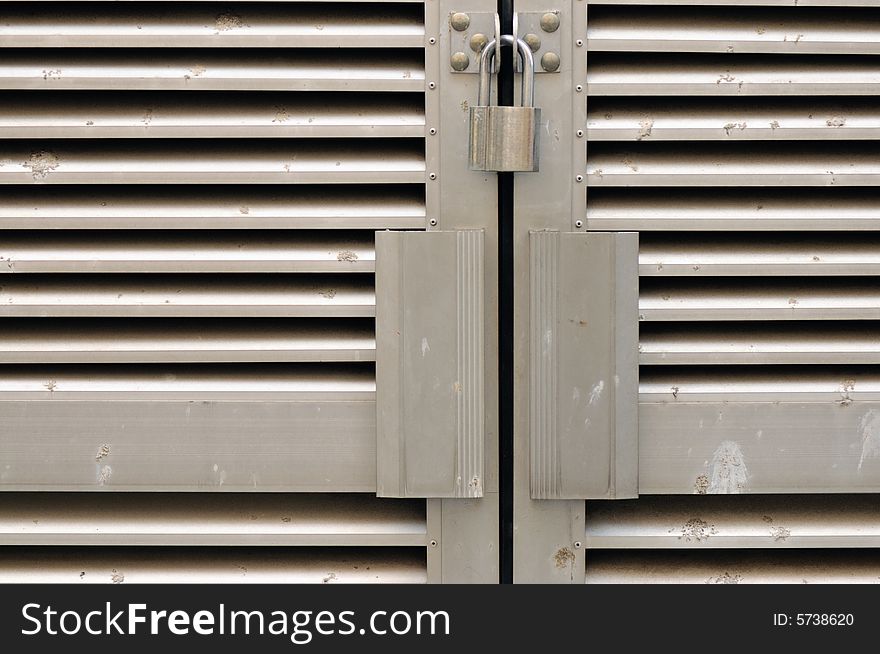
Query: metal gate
734, 141
189, 198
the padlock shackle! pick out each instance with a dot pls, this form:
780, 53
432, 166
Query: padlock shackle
527, 91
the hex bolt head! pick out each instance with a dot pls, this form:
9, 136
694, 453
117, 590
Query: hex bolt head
459, 61
533, 41
550, 22
550, 62
478, 42
460, 21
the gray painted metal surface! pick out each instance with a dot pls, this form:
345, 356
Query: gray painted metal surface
733, 119
266, 519
660, 74
547, 534
278, 25
584, 366
742, 255
157, 296
184, 341
743, 3
141, 114
109, 565
217, 252
459, 199
333, 70
758, 430
734, 209
826, 343
728, 567
216, 162
237, 207
255, 384
733, 30
430, 364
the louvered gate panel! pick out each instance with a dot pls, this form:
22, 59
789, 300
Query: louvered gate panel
739, 141
189, 194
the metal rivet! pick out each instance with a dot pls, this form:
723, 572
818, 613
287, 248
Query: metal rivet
577, 544
433, 222
460, 21
579, 178
580, 133
432, 40
433, 176
459, 61
478, 42
431, 85
579, 43
550, 22
578, 224
533, 41
432, 131
433, 543
550, 62
578, 88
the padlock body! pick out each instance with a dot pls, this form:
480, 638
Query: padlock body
504, 139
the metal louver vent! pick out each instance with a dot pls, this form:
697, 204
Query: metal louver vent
737, 138
188, 194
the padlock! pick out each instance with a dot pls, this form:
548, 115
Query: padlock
505, 139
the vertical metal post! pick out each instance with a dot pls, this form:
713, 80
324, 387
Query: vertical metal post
461, 199
548, 534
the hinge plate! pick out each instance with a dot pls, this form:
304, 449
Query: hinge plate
483, 22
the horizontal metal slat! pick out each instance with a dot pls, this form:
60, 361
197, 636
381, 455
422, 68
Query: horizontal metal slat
731, 209
121, 114
215, 566
734, 521
740, 3
211, 207
44, 2
139, 519
184, 25
732, 119
234, 427
182, 341
759, 429
659, 74
733, 164
754, 254
726, 567
717, 29
211, 70
742, 343
185, 384
187, 252
758, 299
176, 162
839, 386
299, 296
